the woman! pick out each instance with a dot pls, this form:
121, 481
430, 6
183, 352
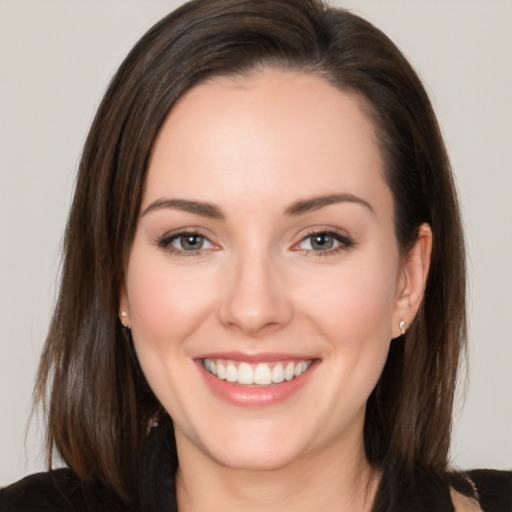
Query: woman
263, 268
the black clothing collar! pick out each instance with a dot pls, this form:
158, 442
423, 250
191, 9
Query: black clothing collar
61, 491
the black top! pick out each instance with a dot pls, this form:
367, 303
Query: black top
61, 491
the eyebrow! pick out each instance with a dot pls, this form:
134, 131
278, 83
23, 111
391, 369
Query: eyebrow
185, 205
315, 203
211, 211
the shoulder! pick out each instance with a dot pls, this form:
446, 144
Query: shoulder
58, 490
54, 490
494, 489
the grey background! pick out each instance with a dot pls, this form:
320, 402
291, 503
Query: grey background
57, 57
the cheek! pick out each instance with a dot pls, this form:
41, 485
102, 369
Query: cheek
166, 301
352, 311
353, 304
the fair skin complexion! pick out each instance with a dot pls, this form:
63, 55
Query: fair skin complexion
289, 256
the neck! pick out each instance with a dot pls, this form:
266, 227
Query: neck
332, 480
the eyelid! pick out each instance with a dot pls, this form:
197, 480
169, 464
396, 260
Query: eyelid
345, 241
165, 241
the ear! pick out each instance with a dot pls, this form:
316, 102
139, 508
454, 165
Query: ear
124, 309
413, 278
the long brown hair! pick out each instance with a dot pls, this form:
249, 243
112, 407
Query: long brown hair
96, 398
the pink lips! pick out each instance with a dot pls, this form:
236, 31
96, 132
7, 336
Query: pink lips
254, 396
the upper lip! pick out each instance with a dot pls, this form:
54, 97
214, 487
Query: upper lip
264, 357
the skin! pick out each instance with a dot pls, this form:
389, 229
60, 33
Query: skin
252, 147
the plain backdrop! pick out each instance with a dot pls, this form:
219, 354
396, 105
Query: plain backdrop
57, 57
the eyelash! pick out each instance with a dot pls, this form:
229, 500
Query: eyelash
166, 243
345, 243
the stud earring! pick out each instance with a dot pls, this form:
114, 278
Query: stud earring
402, 327
124, 314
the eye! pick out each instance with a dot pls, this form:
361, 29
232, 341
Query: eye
190, 242
320, 241
186, 243
324, 242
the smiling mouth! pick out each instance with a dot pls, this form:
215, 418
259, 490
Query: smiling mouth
261, 374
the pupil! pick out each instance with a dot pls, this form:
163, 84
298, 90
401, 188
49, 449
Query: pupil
191, 242
322, 242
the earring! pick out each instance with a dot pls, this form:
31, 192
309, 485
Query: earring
402, 327
124, 314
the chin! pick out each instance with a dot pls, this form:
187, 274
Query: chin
256, 458
248, 446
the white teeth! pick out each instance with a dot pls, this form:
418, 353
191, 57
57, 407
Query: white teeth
221, 371
231, 373
278, 373
245, 374
301, 368
289, 372
261, 375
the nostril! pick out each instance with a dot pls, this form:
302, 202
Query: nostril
254, 327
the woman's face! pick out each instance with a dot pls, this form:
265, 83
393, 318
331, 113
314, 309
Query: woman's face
264, 283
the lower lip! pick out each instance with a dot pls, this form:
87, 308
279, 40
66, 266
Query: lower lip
249, 396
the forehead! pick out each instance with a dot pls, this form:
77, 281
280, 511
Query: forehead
270, 135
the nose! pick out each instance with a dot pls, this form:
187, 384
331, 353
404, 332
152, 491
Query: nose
256, 301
